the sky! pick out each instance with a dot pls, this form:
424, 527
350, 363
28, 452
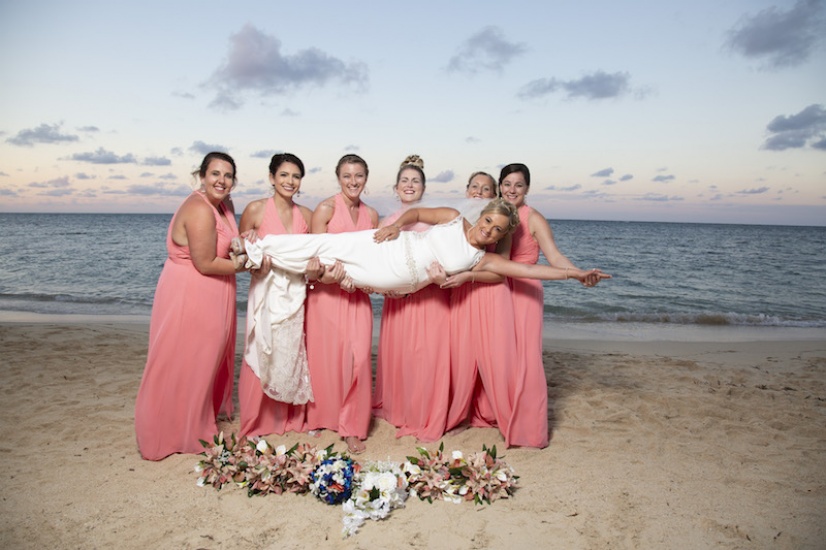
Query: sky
701, 111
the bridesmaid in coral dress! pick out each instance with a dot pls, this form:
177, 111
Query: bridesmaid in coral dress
413, 363
190, 363
340, 322
279, 214
482, 340
529, 420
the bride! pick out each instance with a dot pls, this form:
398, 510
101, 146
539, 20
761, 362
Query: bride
392, 260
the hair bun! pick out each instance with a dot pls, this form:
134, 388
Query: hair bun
414, 160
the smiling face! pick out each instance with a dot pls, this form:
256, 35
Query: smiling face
286, 181
481, 186
514, 188
410, 186
352, 177
218, 180
490, 229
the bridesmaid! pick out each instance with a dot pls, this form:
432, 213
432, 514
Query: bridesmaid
340, 322
188, 377
413, 364
529, 421
277, 215
482, 342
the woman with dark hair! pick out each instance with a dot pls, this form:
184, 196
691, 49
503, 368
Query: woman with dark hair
188, 378
274, 384
414, 342
529, 421
340, 322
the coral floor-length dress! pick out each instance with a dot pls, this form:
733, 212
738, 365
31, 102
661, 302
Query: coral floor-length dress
339, 327
260, 414
189, 370
413, 362
529, 421
483, 355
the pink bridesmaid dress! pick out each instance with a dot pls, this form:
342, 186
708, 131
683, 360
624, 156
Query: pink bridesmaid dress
483, 355
529, 421
260, 414
339, 327
189, 371
413, 363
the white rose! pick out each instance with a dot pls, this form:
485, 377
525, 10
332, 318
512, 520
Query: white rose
262, 445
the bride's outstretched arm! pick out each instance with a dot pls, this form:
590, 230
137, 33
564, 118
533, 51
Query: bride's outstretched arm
495, 263
430, 216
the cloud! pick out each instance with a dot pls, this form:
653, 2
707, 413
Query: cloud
156, 161
443, 177
256, 64
55, 183
664, 179
57, 192
626, 177
205, 148
796, 131
780, 38
574, 187
754, 191
604, 173
84, 176
265, 153
597, 85
3, 174
102, 156
45, 133
155, 190
7, 192
656, 197
609, 182
487, 50
88, 129
471, 139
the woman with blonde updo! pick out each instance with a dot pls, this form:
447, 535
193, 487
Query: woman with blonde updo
413, 365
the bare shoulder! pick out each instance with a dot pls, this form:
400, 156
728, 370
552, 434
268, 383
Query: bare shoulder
306, 213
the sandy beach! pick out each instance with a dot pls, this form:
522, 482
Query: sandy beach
654, 445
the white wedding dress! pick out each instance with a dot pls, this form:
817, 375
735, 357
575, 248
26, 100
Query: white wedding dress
398, 265
275, 321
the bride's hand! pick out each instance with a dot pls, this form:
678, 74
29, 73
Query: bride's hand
387, 233
591, 277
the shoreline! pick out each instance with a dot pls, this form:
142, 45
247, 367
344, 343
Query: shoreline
553, 333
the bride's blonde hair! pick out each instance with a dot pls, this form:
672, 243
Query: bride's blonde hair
504, 208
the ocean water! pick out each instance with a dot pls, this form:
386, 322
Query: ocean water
665, 274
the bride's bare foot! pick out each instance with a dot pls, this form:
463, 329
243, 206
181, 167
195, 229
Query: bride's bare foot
237, 245
355, 445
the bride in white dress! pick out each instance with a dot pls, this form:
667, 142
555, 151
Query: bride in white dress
389, 259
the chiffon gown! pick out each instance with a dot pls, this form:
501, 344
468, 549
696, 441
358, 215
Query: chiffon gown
529, 420
260, 414
413, 362
339, 329
190, 363
483, 356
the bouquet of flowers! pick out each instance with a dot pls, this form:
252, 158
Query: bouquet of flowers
278, 470
221, 463
332, 480
481, 477
380, 487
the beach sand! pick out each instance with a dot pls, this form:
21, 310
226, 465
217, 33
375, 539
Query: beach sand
654, 445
